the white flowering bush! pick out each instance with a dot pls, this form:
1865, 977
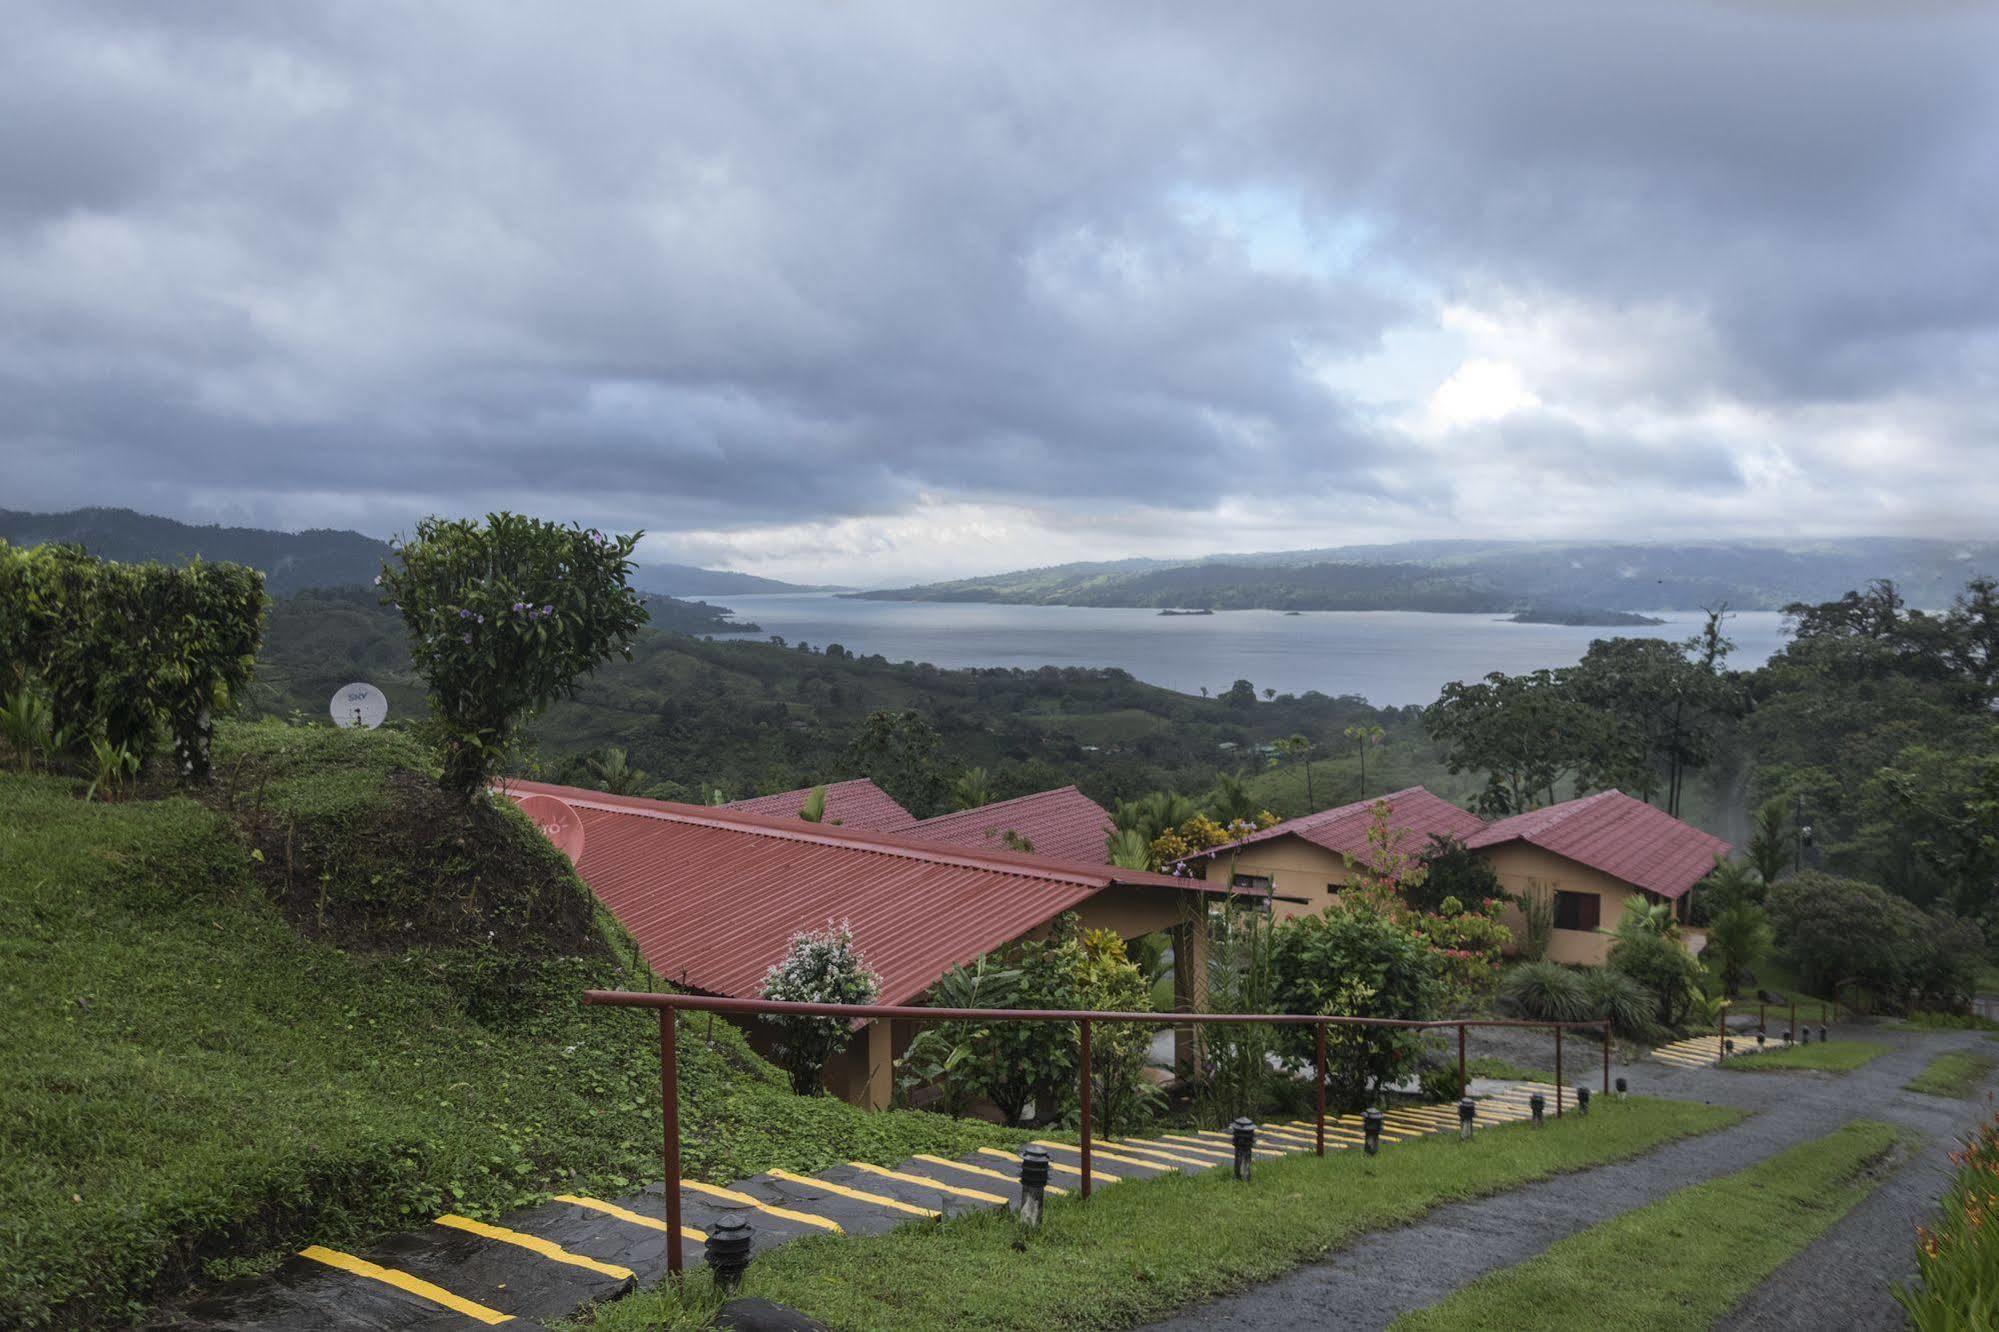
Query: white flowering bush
820, 967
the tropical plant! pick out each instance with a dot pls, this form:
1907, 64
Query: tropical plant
814, 808
1737, 940
504, 618
972, 788
1127, 848
1837, 931
1547, 991
1353, 961
1201, 833
1467, 943
113, 766
1153, 814
1644, 916
1235, 1072
1300, 748
1108, 982
613, 773
1662, 966
1364, 738
1733, 883
1034, 1063
1537, 915
1632, 1009
28, 724
819, 967
1769, 849
1451, 869
1230, 800
1957, 1255
949, 1055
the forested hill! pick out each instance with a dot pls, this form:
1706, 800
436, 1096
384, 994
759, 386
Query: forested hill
1499, 577
295, 561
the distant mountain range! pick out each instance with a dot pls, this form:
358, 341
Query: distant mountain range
1579, 582
295, 561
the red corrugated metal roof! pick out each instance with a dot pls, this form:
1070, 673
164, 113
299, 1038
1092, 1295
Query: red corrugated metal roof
1414, 812
858, 803
1064, 824
712, 896
1625, 838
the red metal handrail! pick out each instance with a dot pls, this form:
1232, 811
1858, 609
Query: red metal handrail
669, 1076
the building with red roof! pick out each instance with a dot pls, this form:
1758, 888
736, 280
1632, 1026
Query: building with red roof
712, 896
1590, 855
1062, 824
1303, 862
851, 804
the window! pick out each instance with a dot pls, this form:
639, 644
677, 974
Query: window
1260, 882
1577, 911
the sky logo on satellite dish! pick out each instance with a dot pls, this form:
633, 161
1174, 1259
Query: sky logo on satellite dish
359, 704
558, 820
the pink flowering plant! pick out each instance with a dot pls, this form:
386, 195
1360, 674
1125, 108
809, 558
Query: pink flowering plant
820, 967
506, 616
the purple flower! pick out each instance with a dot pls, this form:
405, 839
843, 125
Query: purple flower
464, 614
479, 619
466, 637
548, 610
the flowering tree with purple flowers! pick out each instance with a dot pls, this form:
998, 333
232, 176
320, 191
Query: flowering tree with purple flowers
505, 616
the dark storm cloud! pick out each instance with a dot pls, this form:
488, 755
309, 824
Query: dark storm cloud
727, 267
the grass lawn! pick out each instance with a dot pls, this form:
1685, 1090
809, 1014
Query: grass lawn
1140, 1250
1487, 1066
1822, 1056
1944, 1022
1957, 1073
1683, 1261
193, 1086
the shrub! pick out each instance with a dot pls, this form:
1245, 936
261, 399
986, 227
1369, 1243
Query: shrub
1631, 1008
1353, 962
820, 967
505, 617
1838, 931
1537, 913
1108, 982
1468, 944
1548, 991
1663, 968
1236, 1076
1450, 869
1957, 1261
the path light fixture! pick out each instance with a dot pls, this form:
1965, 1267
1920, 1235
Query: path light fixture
1623, 1089
1759, 1040
1537, 1104
1467, 1112
1787, 1038
1033, 1183
1582, 1099
1370, 1127
1823, 1036
1244, 1132
728, 1250
1728, 1045
1804, 1035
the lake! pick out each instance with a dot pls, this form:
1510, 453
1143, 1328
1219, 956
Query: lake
1391, 658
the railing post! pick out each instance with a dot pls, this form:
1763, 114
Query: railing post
1558, 1072
1320, 1028
1721, 1037
1461, 1061
1085, 1099
669, 1103
1606, 1056
1794, 1019
1761, 1023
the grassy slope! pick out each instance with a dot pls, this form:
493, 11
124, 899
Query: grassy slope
1958, 1074
194, 1084
1140, 1250
1724, 1237
1824, 1057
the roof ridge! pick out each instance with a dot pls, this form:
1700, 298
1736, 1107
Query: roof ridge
999, 804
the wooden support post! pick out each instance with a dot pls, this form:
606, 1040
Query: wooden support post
1461, 1061
669, 1103
1558, 1072
1084, 1096
1320, 1028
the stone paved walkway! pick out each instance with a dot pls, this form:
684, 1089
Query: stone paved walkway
544, 1263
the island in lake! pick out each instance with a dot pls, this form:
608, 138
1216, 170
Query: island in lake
1187, 612
1579, 615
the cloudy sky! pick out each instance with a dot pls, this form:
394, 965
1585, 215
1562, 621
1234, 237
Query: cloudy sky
873, 292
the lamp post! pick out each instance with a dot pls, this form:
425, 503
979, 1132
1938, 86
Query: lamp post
1467, 1112
1033, 1183
1370, 1127
1538, 1104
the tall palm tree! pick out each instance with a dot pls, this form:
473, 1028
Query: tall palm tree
972, 789
615, 775
1298, 747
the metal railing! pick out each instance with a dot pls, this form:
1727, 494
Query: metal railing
669, 1073
1827, 1013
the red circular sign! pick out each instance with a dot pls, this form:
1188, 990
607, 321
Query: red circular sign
558, 821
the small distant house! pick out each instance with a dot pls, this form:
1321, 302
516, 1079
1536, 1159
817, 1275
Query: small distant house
712, 896
852, 804
1063, 824
1592, 854
1302, 863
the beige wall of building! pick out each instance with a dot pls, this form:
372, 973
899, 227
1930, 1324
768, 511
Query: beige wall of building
1294, 867
1521, 865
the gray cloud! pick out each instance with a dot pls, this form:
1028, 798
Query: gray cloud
703, 270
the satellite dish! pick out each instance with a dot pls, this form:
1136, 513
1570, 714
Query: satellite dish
558, 821
359, 704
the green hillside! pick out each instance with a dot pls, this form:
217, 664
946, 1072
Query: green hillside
273, 1015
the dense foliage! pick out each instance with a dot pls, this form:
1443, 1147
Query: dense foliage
1353, 961
505, 617
1957, 1257
1861, 941
135, 656
820, 967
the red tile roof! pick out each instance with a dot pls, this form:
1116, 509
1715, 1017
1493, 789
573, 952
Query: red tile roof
851, 804
1625, 838
1414, 812
1064, 824
712, 895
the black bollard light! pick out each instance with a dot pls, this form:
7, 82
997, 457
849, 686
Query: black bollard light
1623, 1089
1244, 1133
1467, 1112
1728, 1046
1537, 1104
1759, 1040
1370, 1127
1804, 1035
1787, 1038
728, 1251
1033, 1183
1823, 1036
1582, 1100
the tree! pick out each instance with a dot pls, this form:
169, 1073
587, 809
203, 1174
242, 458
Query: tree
972, 789
1837, 932
613, 773
1769, 849
504, 618
1364, 737
1153, 813
1658, 962
1128, 848
1667, 706
1450, 869
1241, 694
1526, 731
1230, 801
1736, 943
1298, 747
820, 967
1351, 961
899, 751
